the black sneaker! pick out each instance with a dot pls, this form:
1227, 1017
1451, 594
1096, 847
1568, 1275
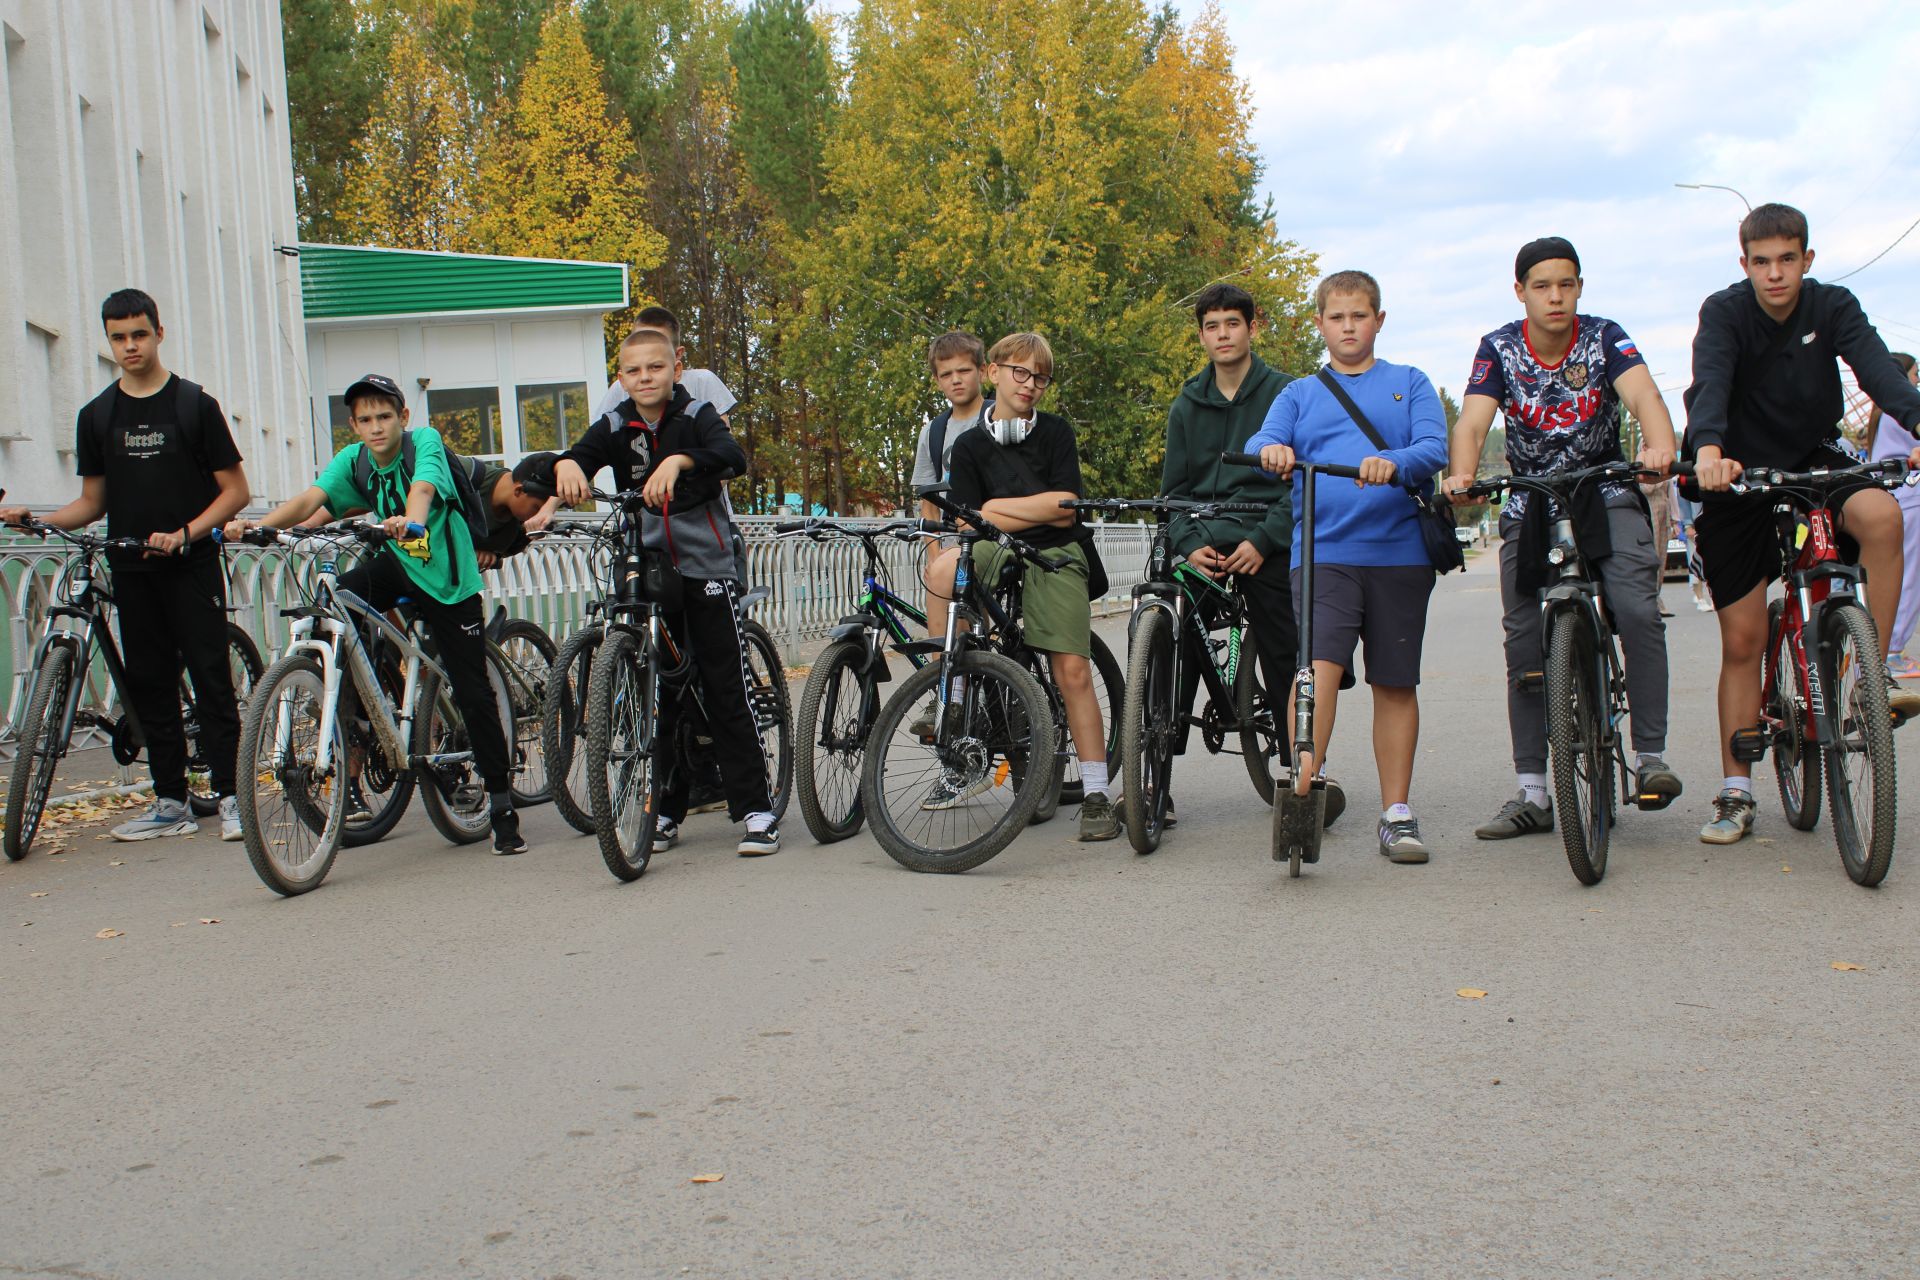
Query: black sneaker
1657, 784
1169, 820
506, 833
1517, 817
666, 834
758, 844
358, 810
1336, 803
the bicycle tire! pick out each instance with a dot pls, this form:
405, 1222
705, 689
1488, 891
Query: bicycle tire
1148, 714
623, 724
387, 790
771, 703
1261, 737
1017, 722
1857, 702
1584, 795
828, 756
1109, 689
528, 652
1796, 761
243, 659
465, 817
563, 726
271, 765
37, 756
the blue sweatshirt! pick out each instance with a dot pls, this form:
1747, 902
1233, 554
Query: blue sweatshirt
1374, 525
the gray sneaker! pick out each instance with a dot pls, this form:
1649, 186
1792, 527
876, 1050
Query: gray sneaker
230, 818
1657, 784
922, 726
948, 794
1400, 840
162, 818
1098, 820
1517, 817
1732, 818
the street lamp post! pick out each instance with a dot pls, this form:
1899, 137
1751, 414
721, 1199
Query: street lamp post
1714, 186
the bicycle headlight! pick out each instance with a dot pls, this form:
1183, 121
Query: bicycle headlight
1556, 555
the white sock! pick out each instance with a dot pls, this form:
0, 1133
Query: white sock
1535, 787
1093, 777
1737, 784
1397, 813
1641, 758
759, 821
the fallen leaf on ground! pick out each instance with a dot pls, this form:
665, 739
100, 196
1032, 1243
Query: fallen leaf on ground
116, 863
1786, 871
109, 933
41, 893
209, 919
1471, 993
709, 1177
178, 924
1844, 967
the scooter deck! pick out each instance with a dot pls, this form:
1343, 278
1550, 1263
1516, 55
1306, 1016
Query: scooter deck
1299, 821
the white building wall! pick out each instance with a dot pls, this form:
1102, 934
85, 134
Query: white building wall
145, 143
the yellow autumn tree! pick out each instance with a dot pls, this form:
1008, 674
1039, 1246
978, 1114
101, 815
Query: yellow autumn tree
558, 180
410, 183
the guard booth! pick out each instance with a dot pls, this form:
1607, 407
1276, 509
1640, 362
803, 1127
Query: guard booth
503, 356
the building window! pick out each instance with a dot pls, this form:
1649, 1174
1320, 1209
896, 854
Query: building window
467, 418
342, 423
552, 414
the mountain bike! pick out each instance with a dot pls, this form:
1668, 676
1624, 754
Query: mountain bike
1183, 620
1824, 700
297, 750
1583, 679
526, 653
77, 632
638, 668
842, 694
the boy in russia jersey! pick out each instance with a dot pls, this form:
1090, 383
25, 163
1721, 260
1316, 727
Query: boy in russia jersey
1558, 378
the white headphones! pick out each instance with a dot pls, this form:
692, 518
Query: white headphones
1009, 430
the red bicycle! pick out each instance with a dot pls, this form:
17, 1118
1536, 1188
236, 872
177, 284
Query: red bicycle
1824, 706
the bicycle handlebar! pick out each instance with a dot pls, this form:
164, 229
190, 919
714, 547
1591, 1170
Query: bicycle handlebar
1324, 468
986, 529
1561, 482
85, 541
1890, 472
818, 528
1181, 506
371, 534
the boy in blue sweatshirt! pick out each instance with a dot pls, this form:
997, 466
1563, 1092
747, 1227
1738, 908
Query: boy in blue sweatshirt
1372, 577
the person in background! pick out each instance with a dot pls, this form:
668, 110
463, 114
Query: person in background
1659, 495
1685, 511
1891, 440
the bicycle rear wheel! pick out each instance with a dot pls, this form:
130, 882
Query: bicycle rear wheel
1582, 764
244, 666
1796, 760
772, 706
563, 726
527, 653
1262, 743
40, 747
950, 805
455, 796
837, 708
1148, 723
624, 775
291, 813
1860, 763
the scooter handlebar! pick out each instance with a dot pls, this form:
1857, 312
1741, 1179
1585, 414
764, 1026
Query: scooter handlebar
1324, 468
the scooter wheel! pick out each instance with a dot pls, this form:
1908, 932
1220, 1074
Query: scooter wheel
1293, 864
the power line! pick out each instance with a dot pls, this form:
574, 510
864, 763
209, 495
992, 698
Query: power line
1876, 257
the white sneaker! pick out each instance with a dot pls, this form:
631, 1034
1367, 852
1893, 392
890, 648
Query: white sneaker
162, 818
230, 818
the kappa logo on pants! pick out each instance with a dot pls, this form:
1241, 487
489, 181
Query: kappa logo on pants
714, 587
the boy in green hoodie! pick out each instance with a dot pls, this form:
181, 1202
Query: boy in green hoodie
1217, 411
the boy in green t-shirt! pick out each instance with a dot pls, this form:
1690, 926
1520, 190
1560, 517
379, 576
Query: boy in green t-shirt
437, 571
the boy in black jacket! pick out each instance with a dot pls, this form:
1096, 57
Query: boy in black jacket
1766, 393
679, 453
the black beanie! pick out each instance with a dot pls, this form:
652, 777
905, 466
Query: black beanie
1545, 249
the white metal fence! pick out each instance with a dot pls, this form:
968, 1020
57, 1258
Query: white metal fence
812, 585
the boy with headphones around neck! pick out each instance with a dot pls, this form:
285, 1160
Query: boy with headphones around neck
1015, 470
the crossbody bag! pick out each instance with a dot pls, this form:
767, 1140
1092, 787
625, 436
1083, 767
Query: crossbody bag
1433, 514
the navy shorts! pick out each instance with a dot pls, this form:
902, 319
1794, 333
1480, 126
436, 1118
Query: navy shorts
1383, 607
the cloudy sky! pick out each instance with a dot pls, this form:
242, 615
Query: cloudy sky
1425, 143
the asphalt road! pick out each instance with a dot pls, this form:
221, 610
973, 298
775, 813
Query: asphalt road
1071, 1062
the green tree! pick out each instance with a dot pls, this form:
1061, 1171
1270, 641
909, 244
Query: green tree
409, 184
785, 78
335, 71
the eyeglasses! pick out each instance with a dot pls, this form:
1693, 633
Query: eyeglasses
1023, 376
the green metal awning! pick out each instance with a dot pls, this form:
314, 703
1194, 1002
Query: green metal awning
338, 282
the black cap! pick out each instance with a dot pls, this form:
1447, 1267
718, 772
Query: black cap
1545, 249
375, 384
534, 473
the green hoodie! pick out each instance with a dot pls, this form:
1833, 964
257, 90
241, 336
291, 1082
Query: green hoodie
1203, 424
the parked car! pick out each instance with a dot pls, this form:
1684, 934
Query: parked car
1675, 568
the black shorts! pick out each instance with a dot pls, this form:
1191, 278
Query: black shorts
1382, 606
1740, 537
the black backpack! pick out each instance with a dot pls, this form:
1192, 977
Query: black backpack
467, 477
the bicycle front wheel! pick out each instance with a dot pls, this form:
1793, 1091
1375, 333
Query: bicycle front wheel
244, 667
526, 653
1796, 759
772, 707
1860, 764
624, 777
454, 794
291, 811
837, 708
1149, 713
1582, 765
563, 727
40, 746
952, 804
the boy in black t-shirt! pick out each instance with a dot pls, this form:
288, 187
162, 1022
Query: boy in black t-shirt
1015, 469
156, 458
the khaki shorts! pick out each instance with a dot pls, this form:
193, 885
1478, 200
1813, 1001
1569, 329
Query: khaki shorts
1058, 617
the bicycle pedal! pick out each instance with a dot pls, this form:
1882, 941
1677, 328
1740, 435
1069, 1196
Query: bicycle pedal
1749, 746
1532, 681
1652, 801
